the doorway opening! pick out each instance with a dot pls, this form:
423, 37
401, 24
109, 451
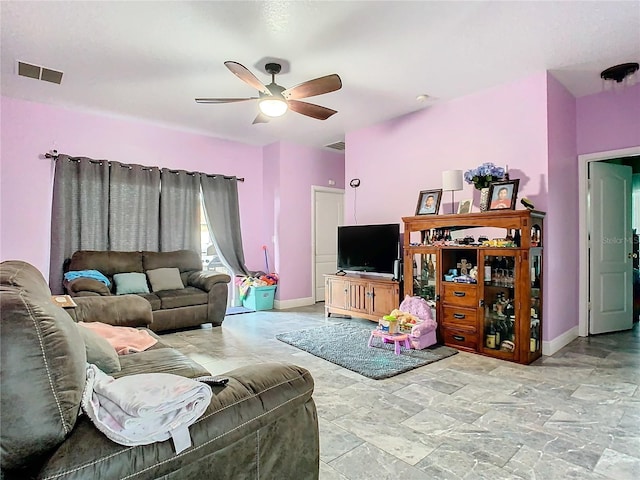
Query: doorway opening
627, 156
327, 212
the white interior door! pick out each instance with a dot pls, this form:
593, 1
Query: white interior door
610, 247
328, 214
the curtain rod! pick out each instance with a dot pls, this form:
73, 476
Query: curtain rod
54, 155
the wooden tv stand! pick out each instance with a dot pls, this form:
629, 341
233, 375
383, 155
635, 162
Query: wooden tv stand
362, 296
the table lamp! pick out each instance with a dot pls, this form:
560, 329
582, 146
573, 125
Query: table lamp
452, 180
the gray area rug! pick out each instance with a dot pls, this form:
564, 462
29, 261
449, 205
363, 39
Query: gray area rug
346, 345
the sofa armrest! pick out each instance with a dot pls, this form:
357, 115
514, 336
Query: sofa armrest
117, 310
86, 286
205, 280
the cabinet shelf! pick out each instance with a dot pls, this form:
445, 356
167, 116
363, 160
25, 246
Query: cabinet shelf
468, 314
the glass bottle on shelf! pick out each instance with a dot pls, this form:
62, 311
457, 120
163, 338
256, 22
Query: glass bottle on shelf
431, 269
425, 273
534, 341
490, 338
516, 237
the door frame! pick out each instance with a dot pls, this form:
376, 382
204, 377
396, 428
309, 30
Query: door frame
583, 229
315, 189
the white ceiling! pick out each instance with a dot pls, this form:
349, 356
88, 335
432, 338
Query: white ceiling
149, 59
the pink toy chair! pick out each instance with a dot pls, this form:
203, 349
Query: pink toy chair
423, 334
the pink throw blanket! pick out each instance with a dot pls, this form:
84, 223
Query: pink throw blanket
124, 339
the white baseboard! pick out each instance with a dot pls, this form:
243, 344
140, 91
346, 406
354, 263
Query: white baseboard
552, 346
296, 302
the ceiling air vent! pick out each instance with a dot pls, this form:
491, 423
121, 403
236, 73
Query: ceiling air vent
39, 73
336, 146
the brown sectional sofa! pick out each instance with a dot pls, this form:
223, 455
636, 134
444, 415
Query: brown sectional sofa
262, 424
203, 300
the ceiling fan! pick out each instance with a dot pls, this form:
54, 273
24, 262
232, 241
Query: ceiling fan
275, 100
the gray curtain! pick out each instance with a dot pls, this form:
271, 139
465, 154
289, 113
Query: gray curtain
220, 199
79, 216
179, 210
101, 205
134, 208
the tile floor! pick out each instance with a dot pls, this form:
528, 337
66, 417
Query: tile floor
574, 415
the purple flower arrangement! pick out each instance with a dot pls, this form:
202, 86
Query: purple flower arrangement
482, 176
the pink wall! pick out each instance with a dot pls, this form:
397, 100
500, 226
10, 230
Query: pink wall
608, 120
300, 168
29, 129
271, 206
396, 159
561, 222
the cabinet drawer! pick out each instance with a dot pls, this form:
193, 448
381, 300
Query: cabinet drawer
462, 294
459, 317
461, 339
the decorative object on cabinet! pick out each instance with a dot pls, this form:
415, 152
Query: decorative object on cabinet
464, 206
528, 204
452, 181
501, 314
484, 199
481, 177
503, 194
429, 202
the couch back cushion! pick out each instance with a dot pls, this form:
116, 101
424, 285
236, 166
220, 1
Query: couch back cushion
106, 262
186, 261
42, 372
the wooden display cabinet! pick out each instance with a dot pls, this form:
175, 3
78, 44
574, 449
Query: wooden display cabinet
362, 296
501, 314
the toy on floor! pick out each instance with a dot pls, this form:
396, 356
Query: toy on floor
416, 311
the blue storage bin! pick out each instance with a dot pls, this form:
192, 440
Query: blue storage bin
260, 298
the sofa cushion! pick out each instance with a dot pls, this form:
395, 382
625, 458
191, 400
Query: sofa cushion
120, 310
164, 279
184, 297
160, 360
184, 260
42, 372
99, 351
107, 262
132, 282
153, 300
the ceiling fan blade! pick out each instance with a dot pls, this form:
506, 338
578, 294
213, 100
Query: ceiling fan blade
223, 100
311, 110
311, 88
261, 118
246, 76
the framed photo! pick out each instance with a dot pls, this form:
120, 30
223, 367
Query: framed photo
429, 202
465, 206
503, 194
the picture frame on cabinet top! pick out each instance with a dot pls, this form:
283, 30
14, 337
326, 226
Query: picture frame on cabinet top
465, 206
429, 202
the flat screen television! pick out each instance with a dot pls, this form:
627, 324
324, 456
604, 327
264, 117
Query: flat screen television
368, 248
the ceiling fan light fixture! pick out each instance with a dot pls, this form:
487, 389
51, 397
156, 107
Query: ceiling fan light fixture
273, 106
619, 74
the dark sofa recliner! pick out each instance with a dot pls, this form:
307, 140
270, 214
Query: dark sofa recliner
262, 425
203, 300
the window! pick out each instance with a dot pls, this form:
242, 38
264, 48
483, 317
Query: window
210, 259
